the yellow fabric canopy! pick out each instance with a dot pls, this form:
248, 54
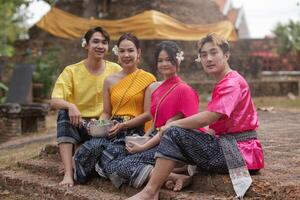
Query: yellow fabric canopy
148, 25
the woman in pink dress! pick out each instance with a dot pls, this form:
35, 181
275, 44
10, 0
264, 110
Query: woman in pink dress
233, 147
171, 99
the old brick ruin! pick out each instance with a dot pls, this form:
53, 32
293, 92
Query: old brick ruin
17, 119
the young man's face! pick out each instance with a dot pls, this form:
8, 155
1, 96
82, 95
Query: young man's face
213, 60
97, 45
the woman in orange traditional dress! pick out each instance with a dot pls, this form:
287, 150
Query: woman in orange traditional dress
126, 99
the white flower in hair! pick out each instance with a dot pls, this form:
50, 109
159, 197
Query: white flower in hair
115, 50
198, 58
179, 56
83, 42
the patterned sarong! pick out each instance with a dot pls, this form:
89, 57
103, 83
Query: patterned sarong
92, 151
209, 153
239, 174
113, 155
135, 168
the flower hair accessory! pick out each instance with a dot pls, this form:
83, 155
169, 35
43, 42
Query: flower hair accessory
198, 58
179, 56
115, 49
83, 42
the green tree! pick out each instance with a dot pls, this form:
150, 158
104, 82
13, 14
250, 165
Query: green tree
46, 69
288, 36
11, 23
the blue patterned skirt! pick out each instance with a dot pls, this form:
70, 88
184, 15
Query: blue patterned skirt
101, 151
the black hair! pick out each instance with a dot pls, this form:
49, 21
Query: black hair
88, 35
131, 37
171, 48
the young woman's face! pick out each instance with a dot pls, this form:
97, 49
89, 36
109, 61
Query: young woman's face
213, 59
164, 64
97, 46
128, 54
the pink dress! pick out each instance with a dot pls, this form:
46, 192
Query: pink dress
231, 97
182, 99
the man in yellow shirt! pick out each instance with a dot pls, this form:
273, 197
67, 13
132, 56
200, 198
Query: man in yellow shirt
78, 95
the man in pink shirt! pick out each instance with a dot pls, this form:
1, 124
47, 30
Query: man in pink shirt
233, 148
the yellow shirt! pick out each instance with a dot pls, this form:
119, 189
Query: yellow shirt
127, 96
78, 86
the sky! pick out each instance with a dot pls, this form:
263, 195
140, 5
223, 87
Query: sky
262, 16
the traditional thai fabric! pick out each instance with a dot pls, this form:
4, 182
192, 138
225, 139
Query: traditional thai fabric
128, 92
135, 168
112, 158
208, 153
78, 86
92, 151
175, 102
194, 148
66, 132
238, 171
127, 96
231, 97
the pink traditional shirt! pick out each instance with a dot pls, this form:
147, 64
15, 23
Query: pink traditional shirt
231, 97
182, 99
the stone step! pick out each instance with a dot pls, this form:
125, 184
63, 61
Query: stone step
265, 184
49, 167
45, 166
37, 186
48, 164
45, 187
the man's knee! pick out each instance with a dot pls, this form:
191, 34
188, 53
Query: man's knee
63, 114
172, 131
66, 140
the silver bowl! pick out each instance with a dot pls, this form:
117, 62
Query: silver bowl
99, 128
137, 139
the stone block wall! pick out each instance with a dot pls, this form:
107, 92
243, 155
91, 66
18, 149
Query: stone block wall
9, 127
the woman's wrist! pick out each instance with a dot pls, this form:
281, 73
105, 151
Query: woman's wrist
124, 125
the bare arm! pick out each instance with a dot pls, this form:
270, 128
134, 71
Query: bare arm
106, 114
134, 147
137, 121
195, 121
176, 117
74, 113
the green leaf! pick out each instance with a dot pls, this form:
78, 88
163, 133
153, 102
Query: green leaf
3, 86
288, 36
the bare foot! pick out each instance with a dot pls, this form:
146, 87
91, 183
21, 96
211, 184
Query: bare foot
67, 181
178, 181
170, 184
144, 195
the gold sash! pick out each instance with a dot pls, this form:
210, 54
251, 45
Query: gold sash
130, 86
